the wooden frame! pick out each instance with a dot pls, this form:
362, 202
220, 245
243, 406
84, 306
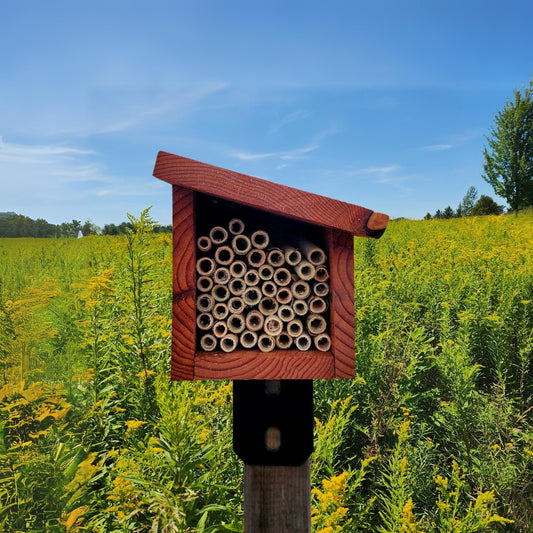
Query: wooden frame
340, 221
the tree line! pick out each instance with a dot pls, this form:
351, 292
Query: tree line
470, 206
14, 225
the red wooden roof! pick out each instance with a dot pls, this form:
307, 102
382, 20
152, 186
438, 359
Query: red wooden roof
268, 196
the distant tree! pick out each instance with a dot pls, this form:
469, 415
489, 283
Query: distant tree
509, 158
467, 203
89, 228
448, 212
428, 216
438, 214
486, 206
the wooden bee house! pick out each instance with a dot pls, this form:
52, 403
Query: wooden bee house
262, 276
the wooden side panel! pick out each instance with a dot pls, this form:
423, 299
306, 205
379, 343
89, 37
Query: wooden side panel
262, 194
184, 304
342, 303
283, 364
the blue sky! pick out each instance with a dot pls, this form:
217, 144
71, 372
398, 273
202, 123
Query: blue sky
383, 104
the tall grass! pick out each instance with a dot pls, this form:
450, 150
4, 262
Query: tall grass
434, 433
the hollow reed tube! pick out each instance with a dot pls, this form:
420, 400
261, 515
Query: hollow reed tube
248, 339
266, 343
203, 243
204, 283
286, 313
205, 303
260, 239
221, 275
275, 258
218, 235
220, 292
205, 266
241, 244
220, 329
236, 305
321, 273
312, 252
266, 272
283, 341
208, 342
236, 323
237, 269
236, 286
305, 270
251, 278
282, 277
224, 255
303, 342
220, 311
252, 296
236, 226
269, 289
321, 289
295, 327
284, 295
292, 255
273, 325
300, 289
322, 342
268, 306
300, 307
254, 320
256, 257
228, 343
204, 321
317, 305
316, 324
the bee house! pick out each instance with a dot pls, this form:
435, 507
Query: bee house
262, 276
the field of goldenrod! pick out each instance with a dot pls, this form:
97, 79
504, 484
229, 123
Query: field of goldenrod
434, 434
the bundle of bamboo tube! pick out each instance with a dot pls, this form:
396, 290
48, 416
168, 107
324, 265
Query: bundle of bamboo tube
256, 294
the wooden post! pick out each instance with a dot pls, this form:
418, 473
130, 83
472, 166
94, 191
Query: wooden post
277, 499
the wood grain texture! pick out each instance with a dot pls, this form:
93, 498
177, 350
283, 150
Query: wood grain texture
252, 364
342, 303
262, 194
277, 499
184, 281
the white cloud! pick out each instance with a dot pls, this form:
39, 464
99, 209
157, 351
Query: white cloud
297, 153
437, 147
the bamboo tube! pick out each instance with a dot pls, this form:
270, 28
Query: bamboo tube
273, 325
236, 226
256, 257
251, 278
220, 293
305, 270
237, 286
283, 341
295, 328
254, 320
266, 343
286, 313
268, 306
224, 255
252, 296
218, 235
204, 283
292, 255
203, 243
266, 272
205, 266
269, 289
303, 342
241, 244
312, 252
317, 305
300, 307
220, 329
301, 289
204, 321
229, 342
248, 339
321, 273
275, 258
321, 289
221, 275
316, 324
236, 323
237, 269
284, 295
260, 239
204, 303
322, 342
208, 342
220, 311
236, 304
282, 277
